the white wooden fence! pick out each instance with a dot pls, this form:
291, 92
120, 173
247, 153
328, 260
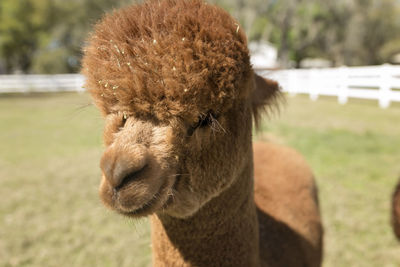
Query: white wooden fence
41, 83
380, 83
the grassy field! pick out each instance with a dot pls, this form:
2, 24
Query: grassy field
50, 214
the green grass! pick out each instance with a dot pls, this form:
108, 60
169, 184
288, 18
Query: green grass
50, 214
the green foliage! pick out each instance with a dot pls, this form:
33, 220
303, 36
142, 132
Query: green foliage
346, 32
53, 61
46, 36
390, 49
22, 24
258, 30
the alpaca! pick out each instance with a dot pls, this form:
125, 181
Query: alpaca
396, 211
174, 82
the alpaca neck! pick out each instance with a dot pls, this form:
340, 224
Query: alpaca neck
224, 232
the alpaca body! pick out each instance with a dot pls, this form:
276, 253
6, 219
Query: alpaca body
396, 211
233, 230
287, 202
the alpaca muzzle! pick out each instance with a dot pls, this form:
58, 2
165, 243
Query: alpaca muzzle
133, 181
123, 168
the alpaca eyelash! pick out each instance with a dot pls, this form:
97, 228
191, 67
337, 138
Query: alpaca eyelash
123, 120
203, 122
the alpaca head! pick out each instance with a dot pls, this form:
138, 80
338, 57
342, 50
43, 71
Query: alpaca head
175, 85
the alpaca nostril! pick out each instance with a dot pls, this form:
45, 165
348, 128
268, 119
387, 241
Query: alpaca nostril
130, 177
121, 166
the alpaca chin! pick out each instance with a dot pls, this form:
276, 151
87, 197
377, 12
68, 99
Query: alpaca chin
182, 205
138, 199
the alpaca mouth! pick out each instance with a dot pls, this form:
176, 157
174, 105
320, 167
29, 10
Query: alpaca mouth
159, 201
145, 209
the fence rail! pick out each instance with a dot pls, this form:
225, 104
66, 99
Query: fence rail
380, 83
41, 83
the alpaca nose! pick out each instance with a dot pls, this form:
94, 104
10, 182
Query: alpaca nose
122, 167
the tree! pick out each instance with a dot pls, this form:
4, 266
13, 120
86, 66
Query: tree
23, 24
46, 36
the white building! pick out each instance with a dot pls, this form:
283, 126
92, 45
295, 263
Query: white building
263, 55
396, 59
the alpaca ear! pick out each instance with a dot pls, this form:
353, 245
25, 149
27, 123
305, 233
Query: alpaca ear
265, 97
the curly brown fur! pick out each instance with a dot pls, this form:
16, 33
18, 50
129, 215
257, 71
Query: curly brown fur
167, 59
174, 82
396, 211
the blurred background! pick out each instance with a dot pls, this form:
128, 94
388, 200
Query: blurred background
336, 61
46, 36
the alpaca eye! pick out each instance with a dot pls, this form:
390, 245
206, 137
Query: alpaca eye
203, 121
123, 120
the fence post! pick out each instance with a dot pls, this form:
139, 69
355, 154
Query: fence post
314, 84
384, 89
79, 81
291, 82
343, 85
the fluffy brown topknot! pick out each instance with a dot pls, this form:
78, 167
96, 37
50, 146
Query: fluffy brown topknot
165, 59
